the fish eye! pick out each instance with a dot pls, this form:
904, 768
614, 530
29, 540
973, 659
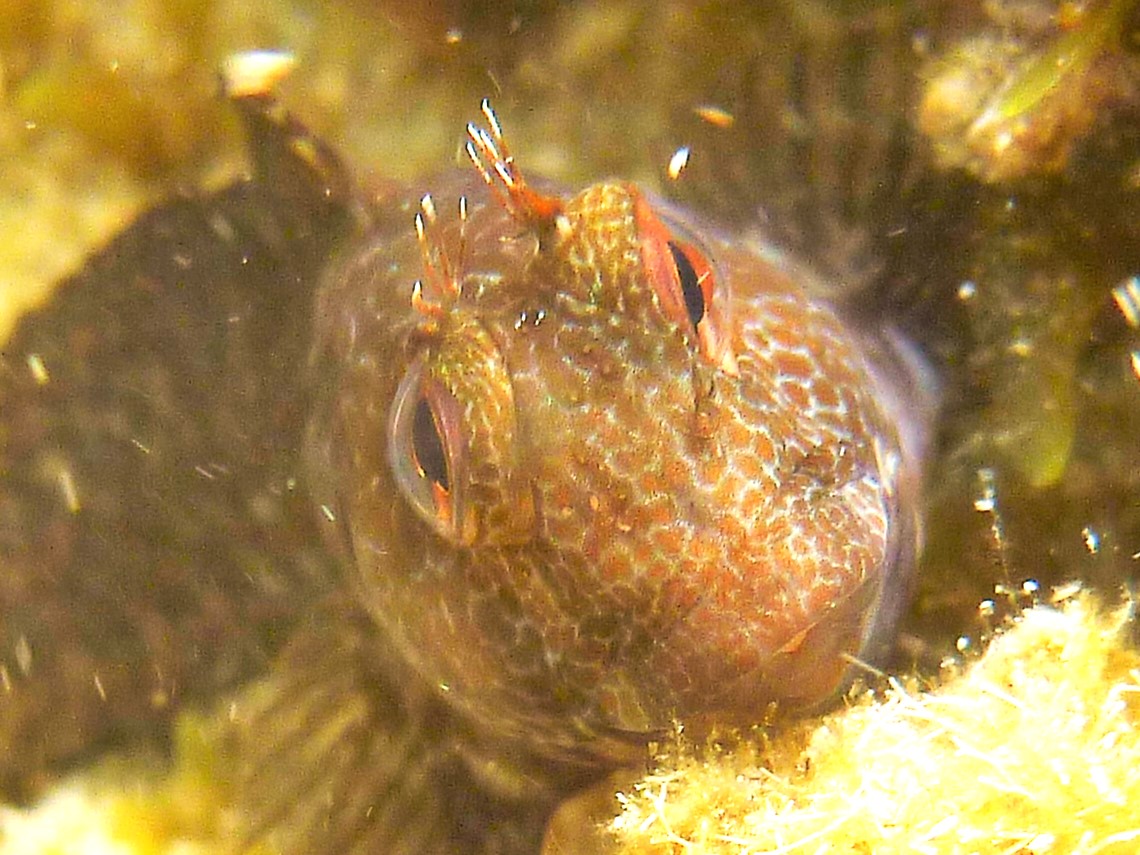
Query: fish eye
685, 282
693, 285
426, 450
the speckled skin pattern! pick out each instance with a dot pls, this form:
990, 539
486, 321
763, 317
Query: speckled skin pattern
681, 539
651, 530
581, 466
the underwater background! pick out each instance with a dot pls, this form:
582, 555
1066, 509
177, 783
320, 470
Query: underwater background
968, 169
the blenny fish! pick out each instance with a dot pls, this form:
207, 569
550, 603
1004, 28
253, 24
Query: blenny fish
480, 490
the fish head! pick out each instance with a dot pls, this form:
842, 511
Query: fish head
601, 467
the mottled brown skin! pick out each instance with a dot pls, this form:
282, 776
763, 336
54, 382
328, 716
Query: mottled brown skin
646, 534
643, 519
658, 536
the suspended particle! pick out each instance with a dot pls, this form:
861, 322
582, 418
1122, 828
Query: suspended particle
987, 501
1127, 297
38, 369
1021, 347
1091, 539
69, 491
715, 116
678, 162
23, 651
1065, 592
255, 72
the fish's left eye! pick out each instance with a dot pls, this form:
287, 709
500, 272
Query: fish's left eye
686, 286
693, 285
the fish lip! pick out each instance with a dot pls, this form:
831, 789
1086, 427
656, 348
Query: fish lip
811, 668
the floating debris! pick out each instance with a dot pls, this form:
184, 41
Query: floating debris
716, 116
678, 162
256, 72
38, 369
1127, 297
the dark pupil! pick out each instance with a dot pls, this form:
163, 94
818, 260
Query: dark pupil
428, 447
690, 284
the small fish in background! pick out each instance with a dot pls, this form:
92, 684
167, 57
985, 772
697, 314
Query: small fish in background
488, 503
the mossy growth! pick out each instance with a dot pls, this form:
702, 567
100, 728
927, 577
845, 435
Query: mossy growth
1032, 748
1014, 99
138, 804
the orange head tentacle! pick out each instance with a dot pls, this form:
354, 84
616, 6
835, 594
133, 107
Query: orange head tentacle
488, 151
442, 274
442, 282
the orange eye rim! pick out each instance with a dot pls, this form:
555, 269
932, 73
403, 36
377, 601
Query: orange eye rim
660, 246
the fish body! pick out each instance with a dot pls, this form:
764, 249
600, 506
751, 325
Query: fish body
598, 467
576, 466
154, 548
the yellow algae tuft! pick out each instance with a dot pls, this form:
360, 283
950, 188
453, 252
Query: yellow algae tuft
56, 201
1033, 748
136, 805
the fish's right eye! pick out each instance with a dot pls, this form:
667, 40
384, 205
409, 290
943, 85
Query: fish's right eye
428, 453
427, 450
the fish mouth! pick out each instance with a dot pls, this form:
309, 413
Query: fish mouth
804, 671
812, 667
